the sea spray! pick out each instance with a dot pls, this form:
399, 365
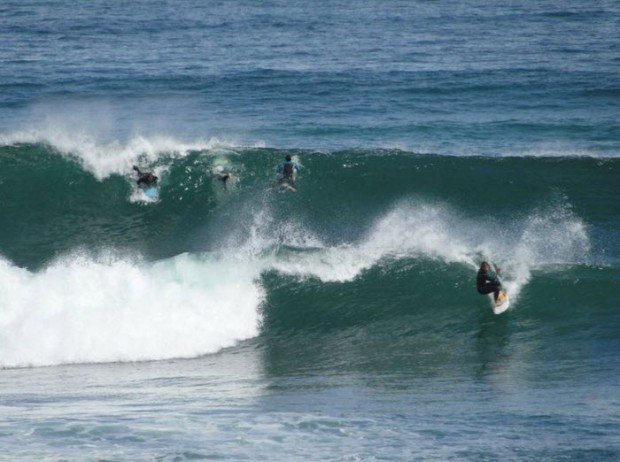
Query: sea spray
420, 230
552, 235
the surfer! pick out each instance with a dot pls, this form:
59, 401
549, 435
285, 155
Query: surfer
145, 180
487, 280
288, 169
224, 177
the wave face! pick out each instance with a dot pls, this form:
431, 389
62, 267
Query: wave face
93, 272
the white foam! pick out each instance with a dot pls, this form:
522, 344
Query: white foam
104, 158
82, 309
139, 196
405, 231
549, 236
266, 234
108, 137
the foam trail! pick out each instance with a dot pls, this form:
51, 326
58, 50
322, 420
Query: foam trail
91, 310
406, 231
546, 237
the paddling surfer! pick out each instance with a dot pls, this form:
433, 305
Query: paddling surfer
287, 169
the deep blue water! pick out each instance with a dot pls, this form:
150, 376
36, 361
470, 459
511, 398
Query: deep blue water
451, 77
340, 322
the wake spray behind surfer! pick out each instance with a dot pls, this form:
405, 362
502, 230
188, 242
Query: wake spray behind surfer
145, 179
288, 169
487, 281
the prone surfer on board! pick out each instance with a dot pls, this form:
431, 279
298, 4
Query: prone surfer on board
288, 169
145, 180
487, 281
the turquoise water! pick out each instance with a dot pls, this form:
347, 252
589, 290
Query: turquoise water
340, 322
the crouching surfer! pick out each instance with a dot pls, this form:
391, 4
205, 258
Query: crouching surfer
487, 281
145, 179
288, 170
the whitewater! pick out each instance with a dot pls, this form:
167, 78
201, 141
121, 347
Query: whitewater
341, 322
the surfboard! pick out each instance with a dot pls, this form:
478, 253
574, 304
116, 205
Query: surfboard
150, 192
285, 186
502, 304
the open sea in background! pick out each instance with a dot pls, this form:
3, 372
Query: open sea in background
341, 322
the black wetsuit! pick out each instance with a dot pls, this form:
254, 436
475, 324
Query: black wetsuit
145, 179
287, 169
487, 283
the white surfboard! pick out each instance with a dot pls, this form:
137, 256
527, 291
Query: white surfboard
285, 186
502, 304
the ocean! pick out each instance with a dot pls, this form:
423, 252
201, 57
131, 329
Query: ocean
340, 322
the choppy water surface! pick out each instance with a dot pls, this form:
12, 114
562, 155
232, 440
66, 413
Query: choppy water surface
340, 322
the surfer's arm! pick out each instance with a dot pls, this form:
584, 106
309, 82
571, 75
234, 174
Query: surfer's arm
491, 276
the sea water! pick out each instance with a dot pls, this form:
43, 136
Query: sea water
340, 322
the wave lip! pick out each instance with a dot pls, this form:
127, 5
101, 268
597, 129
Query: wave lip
420, 230
103, 159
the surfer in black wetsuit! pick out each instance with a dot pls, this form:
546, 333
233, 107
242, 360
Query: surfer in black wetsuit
288, 169
145, 179
487, 281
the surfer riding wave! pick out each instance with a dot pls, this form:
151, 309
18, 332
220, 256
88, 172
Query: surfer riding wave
487, 281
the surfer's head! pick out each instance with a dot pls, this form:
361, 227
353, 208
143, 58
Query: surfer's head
288, 157
484, 266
